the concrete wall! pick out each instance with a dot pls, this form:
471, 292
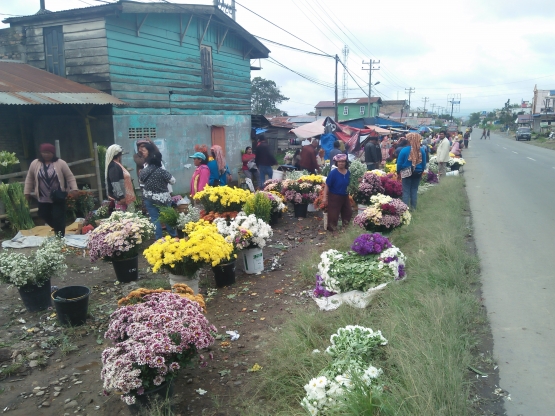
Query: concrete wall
176, 135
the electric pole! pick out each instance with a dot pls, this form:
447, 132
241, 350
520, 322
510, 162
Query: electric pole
370, 69
336, 105
425, 99
433, 106
345, 51
409, 91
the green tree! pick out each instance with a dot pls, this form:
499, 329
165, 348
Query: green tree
265, 96
474, 118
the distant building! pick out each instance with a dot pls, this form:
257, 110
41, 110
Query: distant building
352, 108
325, 109
390, 107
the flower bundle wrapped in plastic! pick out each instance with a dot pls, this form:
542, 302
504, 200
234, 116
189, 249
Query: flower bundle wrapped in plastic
7, 161
357, 169
370, 184
222, 198
384, 213
391, 185
245, 231
119, 237
154, 339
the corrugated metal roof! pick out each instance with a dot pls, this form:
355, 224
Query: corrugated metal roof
22, 84
360, 100
325, 104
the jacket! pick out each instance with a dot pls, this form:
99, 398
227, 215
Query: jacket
199, 179
372, 153
443, 151
404, 162
264, 156
64, 174
308, 158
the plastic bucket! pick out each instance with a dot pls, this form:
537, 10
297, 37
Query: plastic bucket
278, 174
72, 304
36, 298
453, 173
300, 210
127, 270
253, 260
224, 274
311, 208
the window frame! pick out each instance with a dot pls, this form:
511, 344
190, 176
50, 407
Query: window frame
362, 109
206, 67
346, 110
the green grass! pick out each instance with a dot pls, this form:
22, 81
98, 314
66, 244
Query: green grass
429, 320
155, 283
10, 370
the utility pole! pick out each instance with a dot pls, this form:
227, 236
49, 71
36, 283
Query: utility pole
345, 51
370, 69
409, 91
336, 105
425, 99
433, 106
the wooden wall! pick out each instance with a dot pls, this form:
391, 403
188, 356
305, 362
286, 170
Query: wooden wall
145, 68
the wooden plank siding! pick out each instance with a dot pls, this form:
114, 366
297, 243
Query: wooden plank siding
145, 68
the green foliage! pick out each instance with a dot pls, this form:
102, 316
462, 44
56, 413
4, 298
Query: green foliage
259, 205
17, 209
7, 162
357, 169
168, 216
359, 272
265, 96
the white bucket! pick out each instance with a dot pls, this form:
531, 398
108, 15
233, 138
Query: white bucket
361, 208
453, 173
311, 208
278, 174
253, 260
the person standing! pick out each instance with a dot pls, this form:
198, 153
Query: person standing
119, 185
384, 146
487, 135
248, 160
201, 175
155, 190
335, 151
413, 157
308, 157
336, 195
219, 171
483, 134
51, 179
264, 161
372, 153
442, 153
466, 138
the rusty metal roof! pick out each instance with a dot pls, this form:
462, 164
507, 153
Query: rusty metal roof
22, 84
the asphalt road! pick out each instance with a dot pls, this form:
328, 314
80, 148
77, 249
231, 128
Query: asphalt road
511, 187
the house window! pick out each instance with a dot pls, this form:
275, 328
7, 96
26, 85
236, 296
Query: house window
206, 67
362, 110
345, 111
54, 50
137, 133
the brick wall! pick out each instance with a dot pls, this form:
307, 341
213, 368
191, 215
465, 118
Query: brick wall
12, 44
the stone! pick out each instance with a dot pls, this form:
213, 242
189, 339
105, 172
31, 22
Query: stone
56, 393
45, 404
67, 400
78, 382
33, 363
33, 356
57, 389
5, 354
39, 393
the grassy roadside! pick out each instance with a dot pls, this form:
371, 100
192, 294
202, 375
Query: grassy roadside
428, 320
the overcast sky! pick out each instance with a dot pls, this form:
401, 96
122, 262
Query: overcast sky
487, 51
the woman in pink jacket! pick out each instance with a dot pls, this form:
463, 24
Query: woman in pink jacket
201, 173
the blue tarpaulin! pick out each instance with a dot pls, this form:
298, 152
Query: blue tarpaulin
326, 143
260, 131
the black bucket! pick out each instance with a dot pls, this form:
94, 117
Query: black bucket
224, 274
72, 304
36, 298
300, 210
127, 270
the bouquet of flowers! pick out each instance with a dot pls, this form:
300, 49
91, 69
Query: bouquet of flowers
370, 184
357, 169
301, 191
181, 289
193, 215
433, 165
119, 237
204, 245
272, 185
288, 158
391, 167
429, 177
222, 198
383, 213
245, 231
153, 340
391, 186
294, 175
80, 204
211, 216
277, 201
36, 269
378, 172
7, 162
260, 205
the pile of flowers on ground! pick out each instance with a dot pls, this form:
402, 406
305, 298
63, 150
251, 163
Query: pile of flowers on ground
372, 261
352, 350
370, 184
245, 231
119, 237
153, 340
303, 190
454, 163
181, 289
384, 213
222, 198
392, 186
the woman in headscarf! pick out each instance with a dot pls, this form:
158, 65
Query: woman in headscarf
411, 157
336, 195
385, 145
219, 172
456, 148
118, 180
51, 179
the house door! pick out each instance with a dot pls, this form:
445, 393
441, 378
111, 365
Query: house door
218, 137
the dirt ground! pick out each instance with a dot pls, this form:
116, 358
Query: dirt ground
56, 371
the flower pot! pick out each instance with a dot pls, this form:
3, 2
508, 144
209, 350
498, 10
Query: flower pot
453, 173
224, 274
158, 394
253, 260
311, 208
127, 270
180, 233
190, 280
300, 210
274, 216
36, 298
361, 208
72, 304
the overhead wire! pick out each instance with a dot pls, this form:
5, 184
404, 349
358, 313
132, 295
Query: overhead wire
292, 47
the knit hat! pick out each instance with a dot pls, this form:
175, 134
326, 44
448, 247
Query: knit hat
47, 147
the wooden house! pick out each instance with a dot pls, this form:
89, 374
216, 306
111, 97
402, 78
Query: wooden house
183, 70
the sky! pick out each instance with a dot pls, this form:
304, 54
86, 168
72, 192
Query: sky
485, 51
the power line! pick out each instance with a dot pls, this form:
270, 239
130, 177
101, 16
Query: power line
307, 77
292, 47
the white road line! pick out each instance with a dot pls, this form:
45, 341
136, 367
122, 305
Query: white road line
516, 153
531, 158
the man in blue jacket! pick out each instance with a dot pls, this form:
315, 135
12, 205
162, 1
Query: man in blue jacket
410, 165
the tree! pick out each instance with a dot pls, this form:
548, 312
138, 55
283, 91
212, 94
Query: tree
312, 113
265, 96
474, 119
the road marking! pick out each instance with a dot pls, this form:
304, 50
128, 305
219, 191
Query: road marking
531, 158
505, 148
516, 153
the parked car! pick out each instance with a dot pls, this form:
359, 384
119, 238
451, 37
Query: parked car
524, 133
